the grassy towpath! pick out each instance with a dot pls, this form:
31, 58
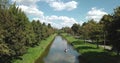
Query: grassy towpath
90, 53
35, 52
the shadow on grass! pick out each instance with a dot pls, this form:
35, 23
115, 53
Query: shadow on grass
91, 54
98, 57
85, 47
77, 42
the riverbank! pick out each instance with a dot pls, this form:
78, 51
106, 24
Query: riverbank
90, 53
34, 53
56, 52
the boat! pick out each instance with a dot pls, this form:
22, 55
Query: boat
65, 50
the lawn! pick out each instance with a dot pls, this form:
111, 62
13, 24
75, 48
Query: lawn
90, 53
34, 53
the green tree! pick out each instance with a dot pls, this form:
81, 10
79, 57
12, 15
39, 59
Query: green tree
96, 33
111, 25
75, 28
87, 28
115, 32
17, 33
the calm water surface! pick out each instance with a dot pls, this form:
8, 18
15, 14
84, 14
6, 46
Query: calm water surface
55, 53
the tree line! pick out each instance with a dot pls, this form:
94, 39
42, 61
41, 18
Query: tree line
17, 33
106, 31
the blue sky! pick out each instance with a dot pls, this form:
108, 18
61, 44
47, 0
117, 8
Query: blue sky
61, 13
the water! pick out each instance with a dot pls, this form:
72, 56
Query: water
55, 53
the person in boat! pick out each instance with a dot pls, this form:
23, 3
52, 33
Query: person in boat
65, 50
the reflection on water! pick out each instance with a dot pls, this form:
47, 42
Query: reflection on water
56, 54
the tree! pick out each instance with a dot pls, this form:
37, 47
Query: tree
87, 28
116, 30
49, 25
17, 33
96, 33
93, 31
111, 24
75, 28
4, 4
67, 30
50, 30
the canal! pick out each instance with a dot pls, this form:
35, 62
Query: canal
59, 52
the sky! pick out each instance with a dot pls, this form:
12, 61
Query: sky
62, 13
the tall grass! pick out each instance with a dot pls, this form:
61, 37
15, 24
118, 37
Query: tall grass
34, 53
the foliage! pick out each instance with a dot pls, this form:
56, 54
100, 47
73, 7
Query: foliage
111, 25
76, 29
67, 30
17, 33
106, 31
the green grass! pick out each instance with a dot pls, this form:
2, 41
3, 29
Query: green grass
34, 53
90, 53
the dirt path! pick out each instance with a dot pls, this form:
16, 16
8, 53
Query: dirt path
106, 47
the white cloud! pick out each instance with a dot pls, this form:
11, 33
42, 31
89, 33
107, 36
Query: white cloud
29, 7
26, 2
37, 14
95, 14
58, 21
31, 10
58, 6
49, 1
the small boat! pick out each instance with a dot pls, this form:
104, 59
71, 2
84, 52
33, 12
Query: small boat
65, 50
